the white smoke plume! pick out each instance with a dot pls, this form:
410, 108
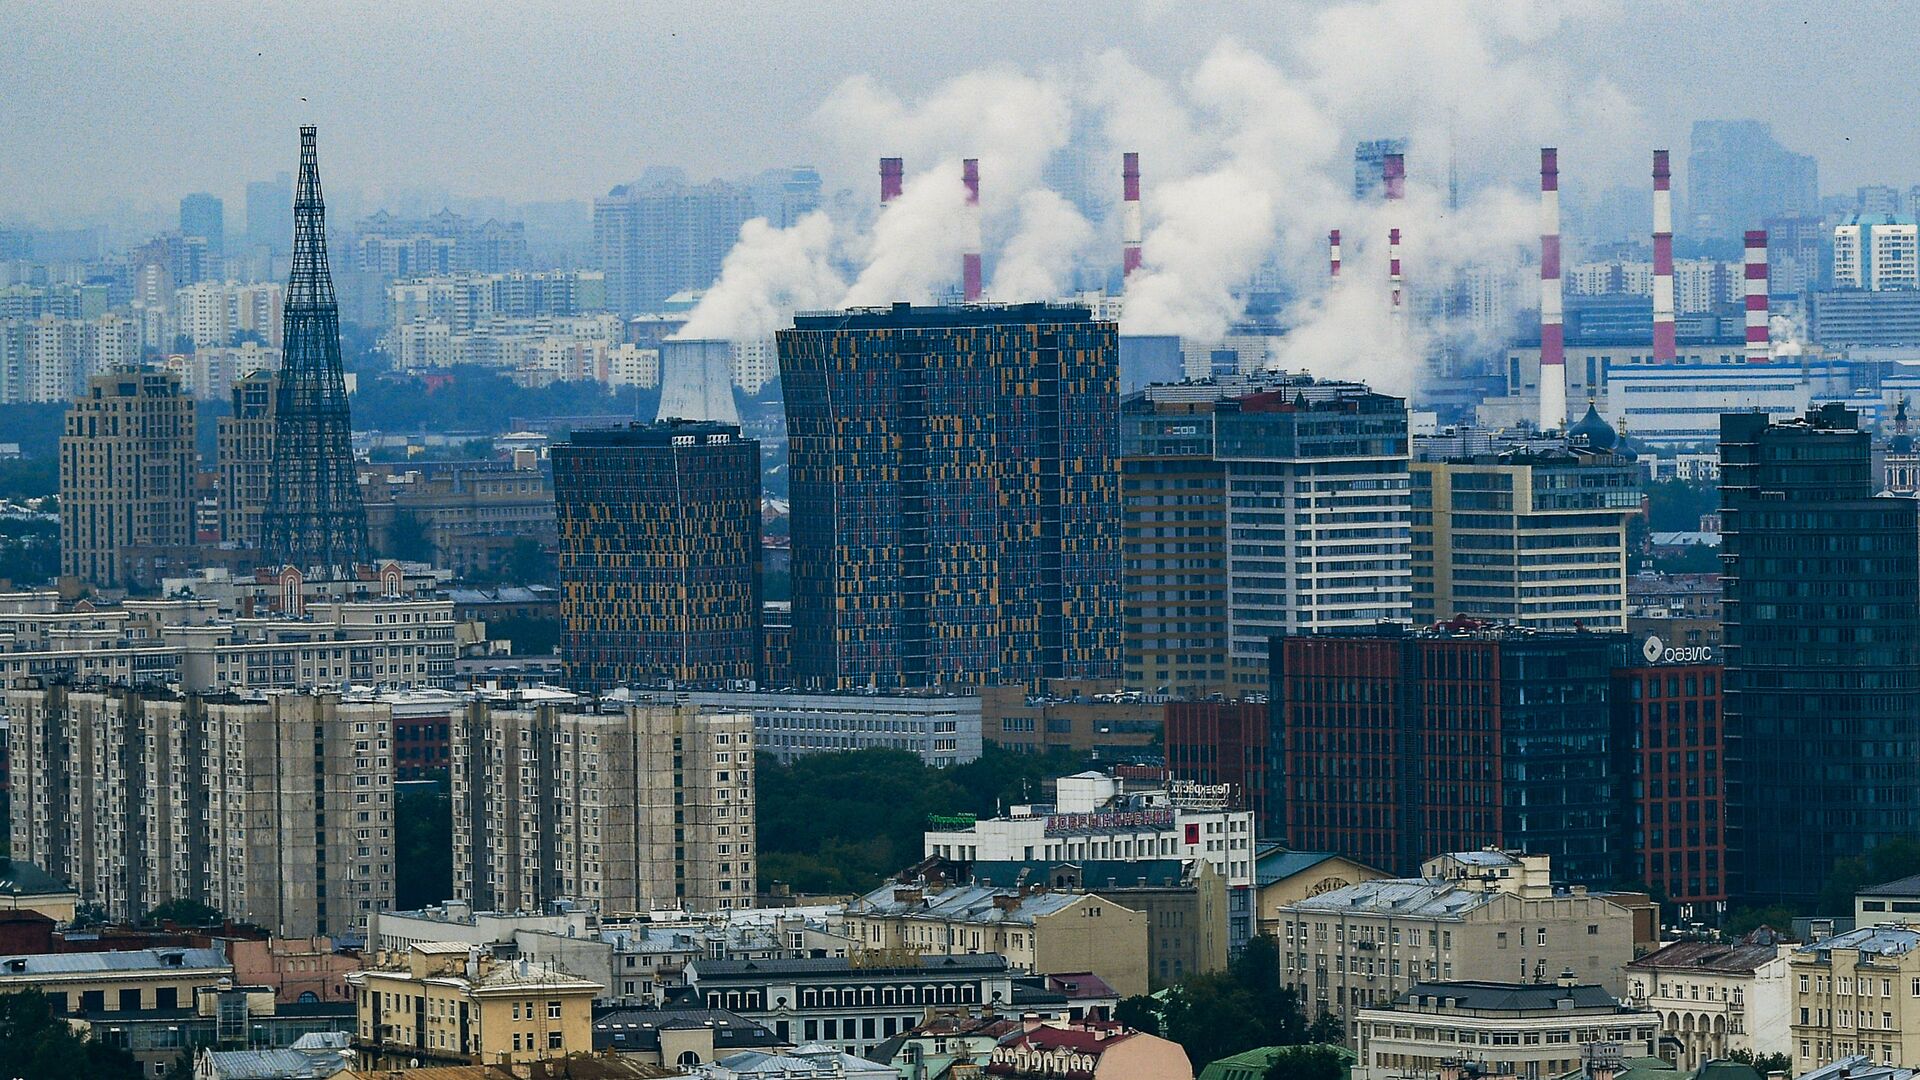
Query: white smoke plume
769, 274
1247, 163
1050, 239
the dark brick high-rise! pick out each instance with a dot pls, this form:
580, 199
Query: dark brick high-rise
659, 562
955, 486
1391, 746
1821, 606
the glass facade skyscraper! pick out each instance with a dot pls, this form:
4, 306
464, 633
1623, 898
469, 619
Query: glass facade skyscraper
1821, 608
955, 487
659, 556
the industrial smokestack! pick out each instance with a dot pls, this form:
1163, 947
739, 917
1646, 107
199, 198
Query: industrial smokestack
1130, 228
1393, 176
1759, 351
892, 173
970, 286
1553, 346
1663, 331
1393, 271
1333, 253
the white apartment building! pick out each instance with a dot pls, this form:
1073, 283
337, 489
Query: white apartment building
1716, 998
1093, 817
631, 808
1876, 251
755, 364
274, 809
201, 645
1531, 1031
942, 729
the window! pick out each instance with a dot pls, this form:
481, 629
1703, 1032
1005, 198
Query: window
553, 1040
553, 1010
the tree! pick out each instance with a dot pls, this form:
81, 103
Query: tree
1327, 1029
1319, 1062
1890, 860
1139, 1012
407, 538
181, 911
1744, 921
40, 1046
423, 833
1223, 1013
1765, 1064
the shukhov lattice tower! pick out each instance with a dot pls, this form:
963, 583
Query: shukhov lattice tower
314, 517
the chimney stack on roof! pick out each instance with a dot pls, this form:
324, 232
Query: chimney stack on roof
1553, 352
1759, 350
970, 284
1130, 221
1663, 329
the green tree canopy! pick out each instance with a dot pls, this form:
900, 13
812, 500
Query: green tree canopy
39, 1046
183, 912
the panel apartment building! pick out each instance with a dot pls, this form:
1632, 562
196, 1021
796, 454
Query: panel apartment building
633, 806
275, 809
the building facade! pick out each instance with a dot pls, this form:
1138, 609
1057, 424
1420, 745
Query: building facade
443, 1003
660, 235
1517, 1029
1391, 744
1856, 993
629, 807
275, 810
1223, 742
1525, 531
956, 516
1364, 945
127, 464
245, 459
940, 729
1822, 653
1670, 746
1716, 999
1308, 504
660, 556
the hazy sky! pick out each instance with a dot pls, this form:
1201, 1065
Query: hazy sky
108, 103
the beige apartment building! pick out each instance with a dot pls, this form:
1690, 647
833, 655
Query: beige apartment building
1529, 1031
1040, 932
275, 809
108, 982
1365, 944
1856, 993
1717, 998
449, 1003
631, 806
127, 464
244, 453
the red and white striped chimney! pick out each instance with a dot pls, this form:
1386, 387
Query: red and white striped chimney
1333, 253
1130, 224
892, 173
1553, 344
1759, 351
970, 285
1393, 270
1664, 351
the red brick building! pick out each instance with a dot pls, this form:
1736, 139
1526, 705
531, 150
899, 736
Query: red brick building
1673, 761
1222, 742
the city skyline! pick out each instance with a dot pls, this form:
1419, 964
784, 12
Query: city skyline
457, 125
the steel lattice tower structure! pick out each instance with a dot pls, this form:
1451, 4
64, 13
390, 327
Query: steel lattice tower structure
314, 518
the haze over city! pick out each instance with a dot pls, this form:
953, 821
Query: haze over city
1371, 540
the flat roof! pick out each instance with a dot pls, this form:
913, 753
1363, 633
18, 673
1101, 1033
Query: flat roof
902, 316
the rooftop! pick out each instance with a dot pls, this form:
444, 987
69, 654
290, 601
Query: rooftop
978, 904
1473, 996
631, 1029
982, 964
21, 878
1418, 897
1742, 957
124, 960
661, 434
1904, 888
1893, 939
903, 316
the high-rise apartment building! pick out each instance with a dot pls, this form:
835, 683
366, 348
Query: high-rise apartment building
633, 807
1821, 612
660, 235
956, 508
1369, 159
1390, 744
659, 528
276, 810
127, 465
270, 213
1303, 515
245, 459
203, 216
1876, 251
1523, 530
1738, 176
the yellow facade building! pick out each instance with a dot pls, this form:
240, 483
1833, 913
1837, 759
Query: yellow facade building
445, 1002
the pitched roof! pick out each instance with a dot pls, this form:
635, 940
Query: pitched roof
21, 878
1880, 940
118, 960
1421, 897
1740, 957
275, 1064
1904, 887
980, 963
973, 904
1280, 865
